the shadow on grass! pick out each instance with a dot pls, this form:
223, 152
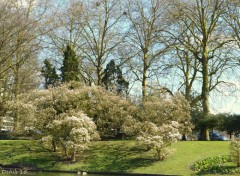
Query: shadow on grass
18, 155
102, 156
117, 158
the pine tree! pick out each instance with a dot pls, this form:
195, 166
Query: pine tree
122, 84
70, 68
113, 79
109, 75
50, 75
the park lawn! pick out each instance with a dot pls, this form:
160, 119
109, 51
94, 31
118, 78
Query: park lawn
113, 156
185, 154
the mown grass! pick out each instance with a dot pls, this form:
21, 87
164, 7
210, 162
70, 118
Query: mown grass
113, 156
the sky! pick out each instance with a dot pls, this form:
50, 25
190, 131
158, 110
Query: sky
227, 102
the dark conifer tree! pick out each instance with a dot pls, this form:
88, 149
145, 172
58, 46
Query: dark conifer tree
50, 75
70, 68
113, 79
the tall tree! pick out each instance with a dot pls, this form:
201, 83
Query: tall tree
67, 28
70, 67
113, 79
203, 21
21, 25
101, 33
146, 20
50, 75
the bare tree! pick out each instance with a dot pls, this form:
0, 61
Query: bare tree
92, 28
100, 22
146, 38
202, 20
21, 31
232, 17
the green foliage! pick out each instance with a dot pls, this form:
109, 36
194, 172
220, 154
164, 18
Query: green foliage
49, 74
215, 165
223, 122
211, 121
113, 79
70, 68
231, 123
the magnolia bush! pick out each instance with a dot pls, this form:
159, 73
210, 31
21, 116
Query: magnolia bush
72, 132
65, 115
107, 110
235, 151
160, 110
159, 122
159, 137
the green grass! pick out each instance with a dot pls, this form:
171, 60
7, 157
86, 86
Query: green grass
113, 156
187, 153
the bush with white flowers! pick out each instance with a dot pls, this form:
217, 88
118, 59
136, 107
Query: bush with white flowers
159, 122
159, 137
71, 132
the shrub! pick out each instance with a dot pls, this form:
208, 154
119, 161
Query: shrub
214, 165
159, 138
159, 121
71, 132
235, 152
38, 108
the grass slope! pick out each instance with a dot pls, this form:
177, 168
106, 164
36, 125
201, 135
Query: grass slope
185, 154
113, 156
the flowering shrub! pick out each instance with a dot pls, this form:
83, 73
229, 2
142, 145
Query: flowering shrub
159, 122
159, 138
72, 133
160, 110
107, 110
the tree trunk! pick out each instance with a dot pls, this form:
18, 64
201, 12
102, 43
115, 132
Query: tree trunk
16, 92
54, 146
144, 81
205, 92
238, 158
159, 154
204, 134
73, 156
99, 74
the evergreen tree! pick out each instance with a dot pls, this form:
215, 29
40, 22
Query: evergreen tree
50, 75
70, 68
122, 84
109, 75
113, 79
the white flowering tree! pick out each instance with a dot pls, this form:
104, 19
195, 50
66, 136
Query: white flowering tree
165, 109
159, 137
159, 122
72, 132
106, 109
